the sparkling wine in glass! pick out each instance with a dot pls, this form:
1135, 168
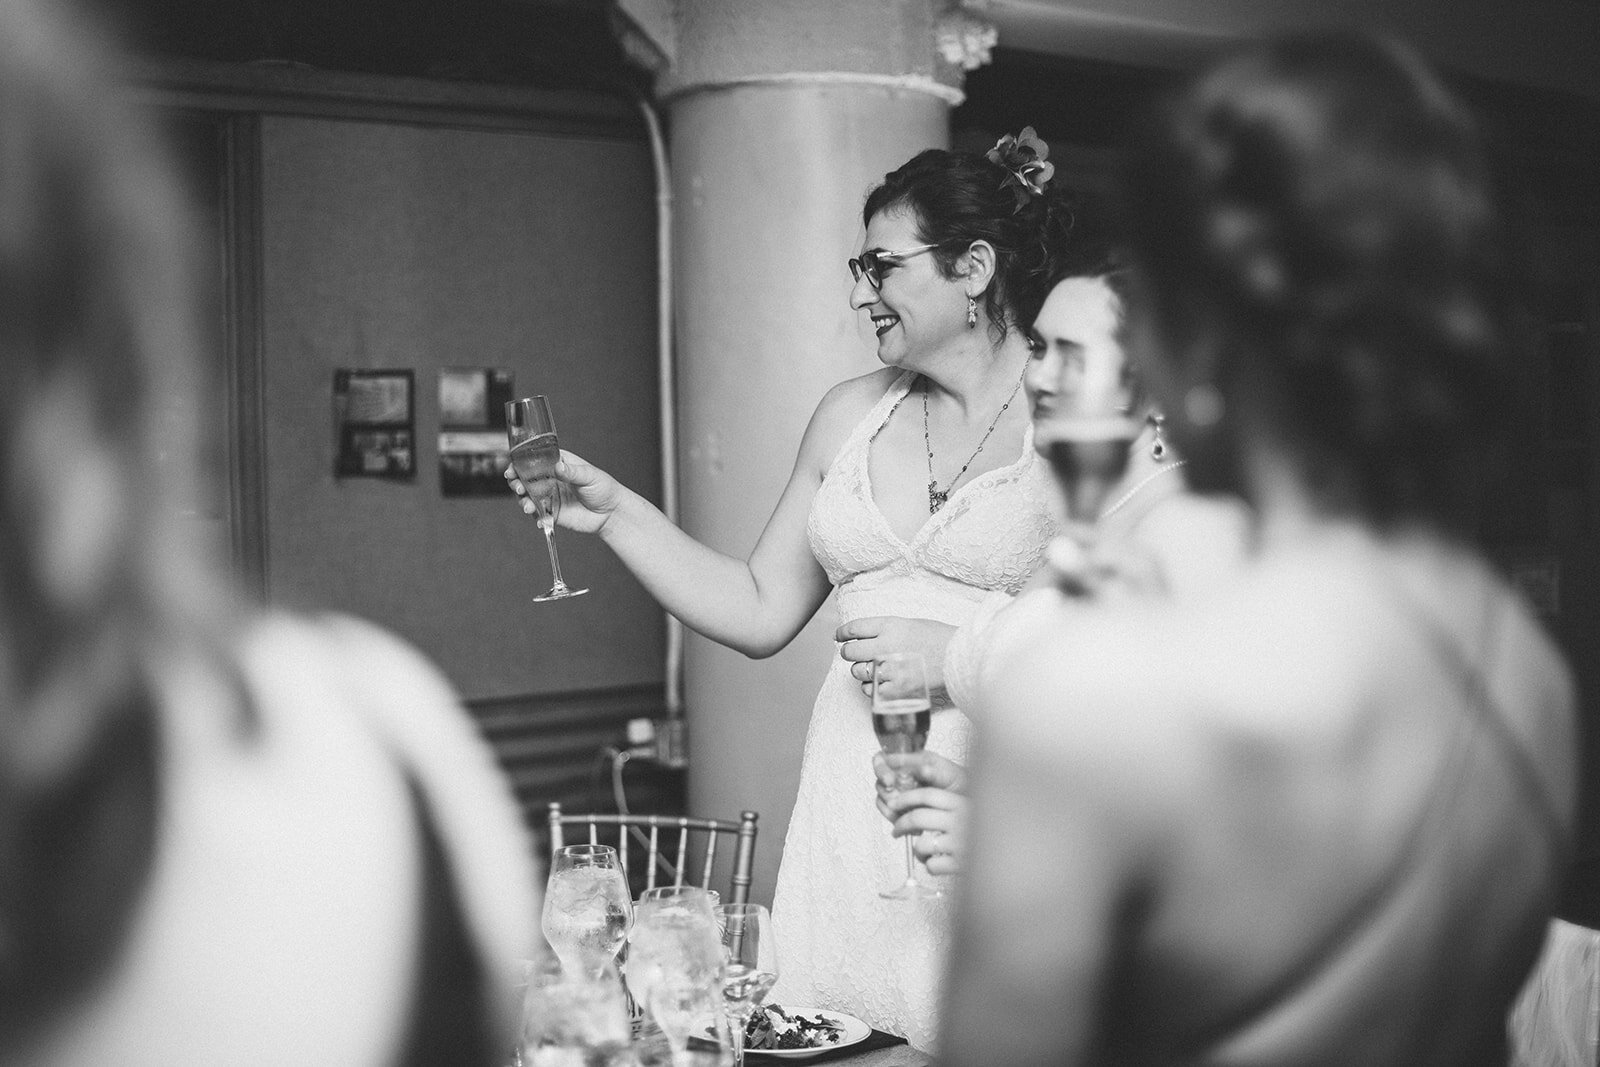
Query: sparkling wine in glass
752, 967
587, 910
534, 454
902, 715
1090, 456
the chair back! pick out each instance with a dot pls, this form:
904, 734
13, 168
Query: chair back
663, 849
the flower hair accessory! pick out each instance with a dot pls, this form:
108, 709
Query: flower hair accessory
1023, 157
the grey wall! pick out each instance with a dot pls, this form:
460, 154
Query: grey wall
393, 245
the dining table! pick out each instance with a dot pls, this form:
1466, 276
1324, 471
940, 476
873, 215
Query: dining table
892, 1056
879, 1050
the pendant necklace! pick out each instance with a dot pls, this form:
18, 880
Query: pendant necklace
937, 498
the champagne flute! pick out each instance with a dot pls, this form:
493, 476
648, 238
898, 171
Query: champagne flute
752, 968
534, 454
902, 714
587, 910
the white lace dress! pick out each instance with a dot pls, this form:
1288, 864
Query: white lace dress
843, 947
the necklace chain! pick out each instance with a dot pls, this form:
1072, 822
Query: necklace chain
1146, 480
937, 498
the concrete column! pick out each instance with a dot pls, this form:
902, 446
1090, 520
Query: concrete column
781, 115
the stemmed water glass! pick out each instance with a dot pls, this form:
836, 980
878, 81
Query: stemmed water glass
752, 967
572, 1016
587, 907
675, 964
902, 714
531, 430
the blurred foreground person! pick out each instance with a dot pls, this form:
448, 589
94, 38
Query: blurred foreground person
1317, 815
223, 838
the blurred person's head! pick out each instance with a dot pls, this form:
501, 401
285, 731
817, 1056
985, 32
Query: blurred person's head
97, 580
1320, 281
987, 230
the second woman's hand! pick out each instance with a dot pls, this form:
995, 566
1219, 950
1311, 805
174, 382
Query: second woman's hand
589, 496
935, 811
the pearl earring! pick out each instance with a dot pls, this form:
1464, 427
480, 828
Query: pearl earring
972, 312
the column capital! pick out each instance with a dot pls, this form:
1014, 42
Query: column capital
692, 46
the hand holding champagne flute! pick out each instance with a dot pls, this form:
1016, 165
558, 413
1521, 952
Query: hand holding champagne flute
902, 715
535, 452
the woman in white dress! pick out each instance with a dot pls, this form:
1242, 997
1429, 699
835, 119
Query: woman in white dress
915, 493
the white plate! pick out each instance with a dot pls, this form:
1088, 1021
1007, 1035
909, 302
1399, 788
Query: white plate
855, 1032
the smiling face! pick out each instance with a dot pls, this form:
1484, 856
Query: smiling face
918, 310
1078, 366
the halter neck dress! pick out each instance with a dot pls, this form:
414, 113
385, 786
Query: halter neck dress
841, 946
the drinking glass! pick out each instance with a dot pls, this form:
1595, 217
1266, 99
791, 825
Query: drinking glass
901, 717
688, 894
587, 910
572, 1017
752, 967
675, 964
534, 454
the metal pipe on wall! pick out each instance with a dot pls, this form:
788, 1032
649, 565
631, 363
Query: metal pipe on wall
666, 380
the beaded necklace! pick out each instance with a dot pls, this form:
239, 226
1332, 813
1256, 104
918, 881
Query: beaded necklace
938, 498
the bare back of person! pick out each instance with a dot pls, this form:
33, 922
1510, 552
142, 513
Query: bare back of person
1292, 815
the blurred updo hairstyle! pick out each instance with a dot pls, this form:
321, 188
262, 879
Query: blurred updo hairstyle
1314, 225
961, 197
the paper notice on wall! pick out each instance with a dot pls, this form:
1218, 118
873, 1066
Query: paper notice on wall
473, 452
374, 423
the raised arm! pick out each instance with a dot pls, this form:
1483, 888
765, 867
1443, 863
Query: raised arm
755, 605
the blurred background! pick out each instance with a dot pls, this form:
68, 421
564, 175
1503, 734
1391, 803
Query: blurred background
642, 209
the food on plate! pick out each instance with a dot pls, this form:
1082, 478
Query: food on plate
771, 1027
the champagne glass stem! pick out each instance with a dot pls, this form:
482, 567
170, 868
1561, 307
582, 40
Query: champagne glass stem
904, 782
557, 586
740, 1021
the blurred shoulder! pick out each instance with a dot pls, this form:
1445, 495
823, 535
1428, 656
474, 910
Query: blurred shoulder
1199, 541
1087, 681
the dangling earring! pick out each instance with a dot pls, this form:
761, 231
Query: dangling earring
972, 312
1158, 447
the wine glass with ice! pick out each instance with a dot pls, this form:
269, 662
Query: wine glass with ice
902, 714
587, 910
531, 430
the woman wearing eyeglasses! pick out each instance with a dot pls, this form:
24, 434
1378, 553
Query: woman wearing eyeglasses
915, 493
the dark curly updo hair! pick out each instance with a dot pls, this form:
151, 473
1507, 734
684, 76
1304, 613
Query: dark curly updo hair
962, 197
1314, 222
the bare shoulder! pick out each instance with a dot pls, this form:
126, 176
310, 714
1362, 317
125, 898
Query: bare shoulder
1097, 696
839, 411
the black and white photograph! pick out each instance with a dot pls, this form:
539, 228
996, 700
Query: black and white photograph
877, 533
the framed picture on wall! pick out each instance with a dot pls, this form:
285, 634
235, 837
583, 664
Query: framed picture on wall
473, 451
375, 422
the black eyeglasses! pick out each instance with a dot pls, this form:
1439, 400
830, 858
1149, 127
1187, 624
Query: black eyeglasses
871, 263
